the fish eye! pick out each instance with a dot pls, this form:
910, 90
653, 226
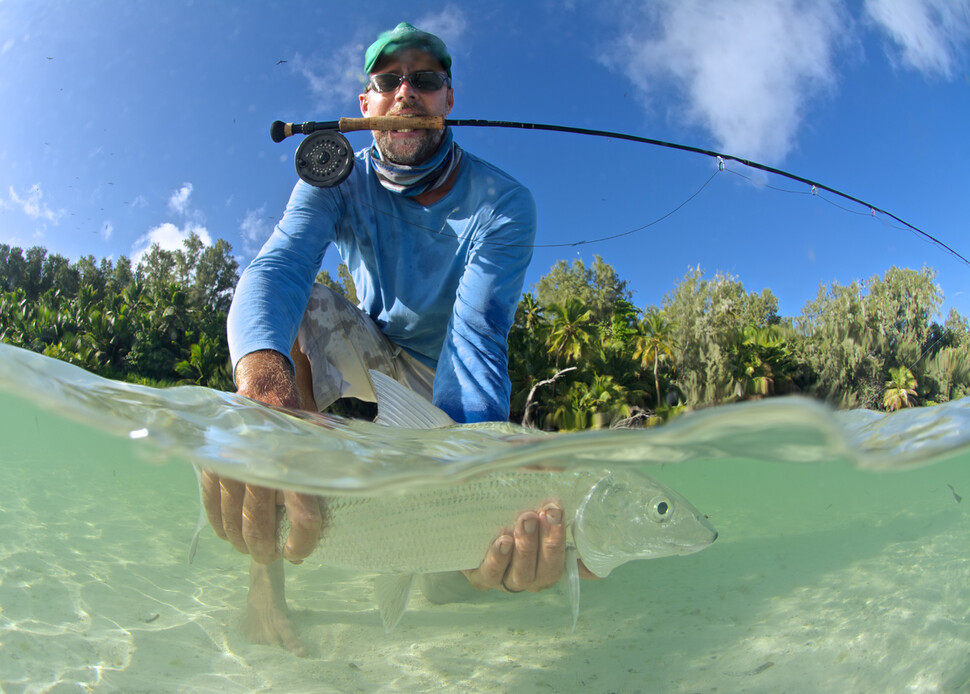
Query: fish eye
660, 509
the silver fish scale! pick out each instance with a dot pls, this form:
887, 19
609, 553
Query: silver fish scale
440, 529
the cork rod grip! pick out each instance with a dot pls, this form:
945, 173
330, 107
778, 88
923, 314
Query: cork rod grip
347, 125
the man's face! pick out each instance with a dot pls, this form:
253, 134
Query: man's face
407, 146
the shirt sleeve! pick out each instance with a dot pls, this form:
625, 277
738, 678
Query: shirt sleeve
471, 380
272, 292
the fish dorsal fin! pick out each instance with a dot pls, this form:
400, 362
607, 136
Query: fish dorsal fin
399, 406
572, 582
392, 592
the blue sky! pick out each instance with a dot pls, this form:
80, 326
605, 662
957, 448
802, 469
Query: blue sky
129, 122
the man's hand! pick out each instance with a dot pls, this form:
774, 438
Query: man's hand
247, 515
530, 557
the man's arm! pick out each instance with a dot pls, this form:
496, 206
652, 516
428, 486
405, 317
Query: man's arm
472, 384
267, 306
472, 378
267, 376
246, 515
271, 296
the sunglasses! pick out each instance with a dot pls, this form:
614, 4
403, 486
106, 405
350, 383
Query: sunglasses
423, 81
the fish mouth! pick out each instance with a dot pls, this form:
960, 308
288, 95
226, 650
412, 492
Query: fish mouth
697, 546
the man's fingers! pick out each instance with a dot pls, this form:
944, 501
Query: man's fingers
232, 493
522, 571
259, 523
212, 501
531, 557
496, 562
248, 517
552, 548
306, 521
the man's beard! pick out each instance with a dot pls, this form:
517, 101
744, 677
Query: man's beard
412, 152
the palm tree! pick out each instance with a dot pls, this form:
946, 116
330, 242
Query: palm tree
617, 361
530, 314
901, 385
568, 411
654, 343
760, 362
528, 365
947, 369
569, 336
604, 397
206, 365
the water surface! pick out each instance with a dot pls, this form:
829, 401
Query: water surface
843, 562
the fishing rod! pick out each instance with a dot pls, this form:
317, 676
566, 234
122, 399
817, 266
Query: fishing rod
325, 157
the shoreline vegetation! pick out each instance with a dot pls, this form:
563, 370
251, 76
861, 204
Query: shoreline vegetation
581, 354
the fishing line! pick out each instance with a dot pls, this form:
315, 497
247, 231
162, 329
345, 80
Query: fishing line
815, 194
569, 244
322, 157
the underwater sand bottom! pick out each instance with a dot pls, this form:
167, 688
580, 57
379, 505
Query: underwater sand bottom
96, 595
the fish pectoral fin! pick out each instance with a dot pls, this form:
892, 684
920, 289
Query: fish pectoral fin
572, 582
392, 592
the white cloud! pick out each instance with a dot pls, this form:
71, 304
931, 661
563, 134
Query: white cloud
169, 237
930, 36
335, 79
449, 25
745, 70
179, 201
255, 229
33, 206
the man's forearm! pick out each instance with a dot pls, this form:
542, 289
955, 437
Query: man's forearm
267, 376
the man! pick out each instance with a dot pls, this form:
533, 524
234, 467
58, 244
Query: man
438, 242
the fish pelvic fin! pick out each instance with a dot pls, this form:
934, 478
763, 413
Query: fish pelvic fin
399, 406
392, 592
572, 582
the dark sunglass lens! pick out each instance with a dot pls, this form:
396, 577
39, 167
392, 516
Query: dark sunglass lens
426, 81
386, 82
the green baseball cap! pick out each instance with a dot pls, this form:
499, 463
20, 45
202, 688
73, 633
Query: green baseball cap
406, 36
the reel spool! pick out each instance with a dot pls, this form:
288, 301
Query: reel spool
324, 159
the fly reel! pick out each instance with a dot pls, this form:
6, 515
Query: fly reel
324, 159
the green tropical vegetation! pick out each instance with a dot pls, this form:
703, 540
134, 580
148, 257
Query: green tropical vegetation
160, 323
581, 353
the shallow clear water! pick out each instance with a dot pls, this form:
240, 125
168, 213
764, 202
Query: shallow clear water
843, 562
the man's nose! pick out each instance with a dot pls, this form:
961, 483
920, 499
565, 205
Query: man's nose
405, 90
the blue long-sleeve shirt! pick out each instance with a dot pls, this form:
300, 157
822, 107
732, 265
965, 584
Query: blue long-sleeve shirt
441, 281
